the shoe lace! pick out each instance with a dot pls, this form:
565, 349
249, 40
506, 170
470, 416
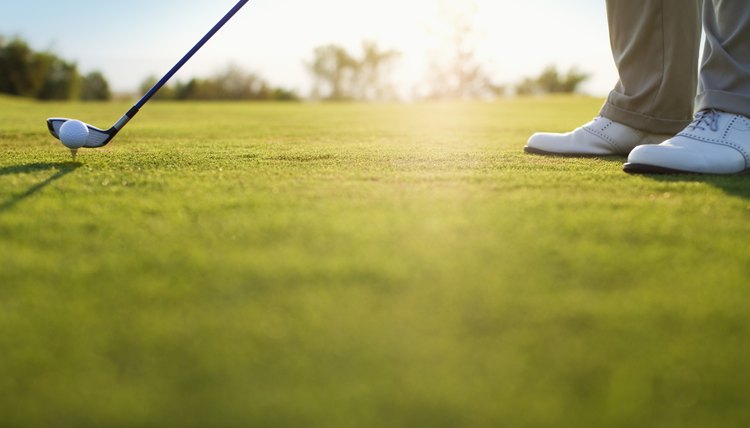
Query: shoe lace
709, 118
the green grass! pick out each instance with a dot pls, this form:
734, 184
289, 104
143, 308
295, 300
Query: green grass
304, 265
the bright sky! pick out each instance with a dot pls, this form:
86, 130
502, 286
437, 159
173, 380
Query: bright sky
129, 40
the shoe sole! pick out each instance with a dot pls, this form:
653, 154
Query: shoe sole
534, 151
642, 168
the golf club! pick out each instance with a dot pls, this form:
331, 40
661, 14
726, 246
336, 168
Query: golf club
100, 137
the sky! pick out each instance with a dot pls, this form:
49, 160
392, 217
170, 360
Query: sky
129, 41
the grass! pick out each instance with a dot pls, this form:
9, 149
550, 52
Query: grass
295, 265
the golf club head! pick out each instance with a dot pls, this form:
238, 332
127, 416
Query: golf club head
97, 137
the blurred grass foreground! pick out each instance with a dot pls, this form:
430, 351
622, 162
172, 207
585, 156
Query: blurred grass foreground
362, 265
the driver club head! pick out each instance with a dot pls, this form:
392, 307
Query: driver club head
97, 137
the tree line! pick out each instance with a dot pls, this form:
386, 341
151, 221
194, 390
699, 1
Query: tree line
233, 83
340, 75
337, 75
45, 76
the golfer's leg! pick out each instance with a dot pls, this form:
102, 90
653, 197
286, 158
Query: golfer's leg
718, 141
725, 68
655, 44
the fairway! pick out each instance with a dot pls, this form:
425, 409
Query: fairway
362, 265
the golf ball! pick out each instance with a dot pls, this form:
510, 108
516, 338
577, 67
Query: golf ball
73, 134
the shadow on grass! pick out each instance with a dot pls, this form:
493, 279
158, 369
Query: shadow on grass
610, 159
735, 185
62, 169
577, 157
564, 159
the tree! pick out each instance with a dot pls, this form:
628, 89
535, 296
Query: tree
233, 83
459, 74
167, 92
62, 82
238, 84
339, 75
333, 71
281, 94
196, 89
551, 81
22, 72
95, 87
372, 73
44, 75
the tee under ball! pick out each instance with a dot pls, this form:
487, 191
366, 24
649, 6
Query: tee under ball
73, 135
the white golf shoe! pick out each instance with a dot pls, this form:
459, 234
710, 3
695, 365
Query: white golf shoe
600, 137
714, 143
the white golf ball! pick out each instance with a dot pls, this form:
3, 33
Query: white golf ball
74, 134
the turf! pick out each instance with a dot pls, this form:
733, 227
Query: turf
344, 265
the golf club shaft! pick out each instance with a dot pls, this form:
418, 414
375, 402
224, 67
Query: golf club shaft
133, 111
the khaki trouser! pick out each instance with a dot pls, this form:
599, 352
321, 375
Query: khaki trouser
655, 44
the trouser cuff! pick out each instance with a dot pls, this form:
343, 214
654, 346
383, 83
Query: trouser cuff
724, 101
643, 122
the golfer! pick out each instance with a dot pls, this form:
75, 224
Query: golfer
649, 115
